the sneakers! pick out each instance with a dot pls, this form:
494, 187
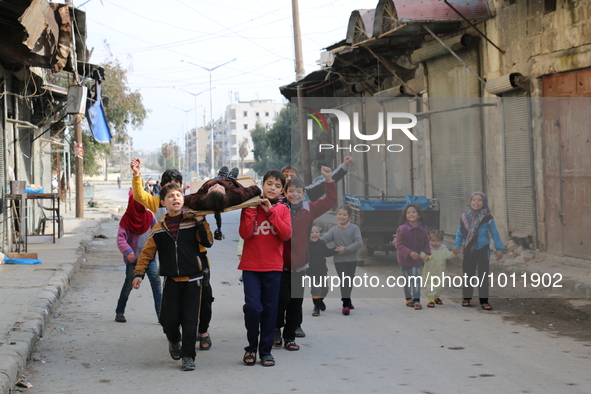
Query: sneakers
175, 351
234, 172
346, 311
120, 318
316, 311
223, 172
188, 364
299, 332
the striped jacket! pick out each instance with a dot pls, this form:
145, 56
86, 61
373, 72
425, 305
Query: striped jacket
180, 257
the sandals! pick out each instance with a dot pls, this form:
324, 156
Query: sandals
431, 305
277, 341
418, 306
486, 307
410, 303
205, 342
291, 345
250, 358
438, 301
267, 360
466, 303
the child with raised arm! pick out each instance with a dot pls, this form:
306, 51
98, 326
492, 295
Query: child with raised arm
134, 229
294, 257
475, 226
177, 241
348, 241
435, 267
264, 229
411, 240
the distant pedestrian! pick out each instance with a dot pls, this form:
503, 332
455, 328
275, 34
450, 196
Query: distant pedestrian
347, 239
411, 240
435, 267
119, 182
156, 188
476, 227
177, 241
134, 229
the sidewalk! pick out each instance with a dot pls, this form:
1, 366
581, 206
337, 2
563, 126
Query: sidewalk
574, 275
29, 293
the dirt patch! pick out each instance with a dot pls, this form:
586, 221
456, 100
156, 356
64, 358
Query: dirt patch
564, 317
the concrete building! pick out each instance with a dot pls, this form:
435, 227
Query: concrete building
191, 154
500, 89
240, 118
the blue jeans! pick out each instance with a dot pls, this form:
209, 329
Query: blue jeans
261, 296
412, 286
152, 273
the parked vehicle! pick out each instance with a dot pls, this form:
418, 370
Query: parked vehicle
378, 216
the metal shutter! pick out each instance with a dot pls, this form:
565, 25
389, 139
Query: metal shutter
519, 164
3, 224
456, 136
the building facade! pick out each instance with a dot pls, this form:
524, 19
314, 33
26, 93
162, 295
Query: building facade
500, 89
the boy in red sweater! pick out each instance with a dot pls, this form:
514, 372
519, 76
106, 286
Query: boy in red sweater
264, 229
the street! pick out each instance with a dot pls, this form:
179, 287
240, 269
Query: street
382, 346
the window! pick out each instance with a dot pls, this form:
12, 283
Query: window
245, 113
549, 6
267, 114
245, 126
257, 114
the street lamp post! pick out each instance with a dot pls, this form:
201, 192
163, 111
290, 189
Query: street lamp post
186, 111
211, 101
196, 131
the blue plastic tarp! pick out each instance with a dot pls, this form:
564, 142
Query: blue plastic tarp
395, 205
21, 261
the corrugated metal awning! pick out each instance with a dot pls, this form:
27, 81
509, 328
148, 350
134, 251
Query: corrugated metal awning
413, 11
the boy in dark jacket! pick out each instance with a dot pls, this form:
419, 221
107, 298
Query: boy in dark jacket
177, 242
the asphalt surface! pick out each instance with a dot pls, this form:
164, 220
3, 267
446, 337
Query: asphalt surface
382, 345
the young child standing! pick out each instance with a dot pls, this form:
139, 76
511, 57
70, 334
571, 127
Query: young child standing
348, 241
177, 241
316, 255
476, 227
264, 229
134, 229
435, 266
411, 240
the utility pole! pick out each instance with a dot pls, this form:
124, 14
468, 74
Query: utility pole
300, 73
78, 147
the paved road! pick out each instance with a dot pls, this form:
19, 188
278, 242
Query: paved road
382, 346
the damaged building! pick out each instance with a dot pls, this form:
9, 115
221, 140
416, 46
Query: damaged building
500, 91
42, 52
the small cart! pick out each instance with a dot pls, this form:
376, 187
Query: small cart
377, 217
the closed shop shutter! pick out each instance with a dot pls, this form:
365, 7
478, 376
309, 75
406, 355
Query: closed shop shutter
3, 224
456, 136
519, 164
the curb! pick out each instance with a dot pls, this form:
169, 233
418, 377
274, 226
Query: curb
21, 341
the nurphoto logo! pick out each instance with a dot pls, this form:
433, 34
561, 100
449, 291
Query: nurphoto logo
390, 119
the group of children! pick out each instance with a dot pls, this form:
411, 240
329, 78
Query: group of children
281, 242
416, 246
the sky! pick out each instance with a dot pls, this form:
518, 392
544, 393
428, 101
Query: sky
156, 41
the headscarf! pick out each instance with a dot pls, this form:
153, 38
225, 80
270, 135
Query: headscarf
136, 218
472, 219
